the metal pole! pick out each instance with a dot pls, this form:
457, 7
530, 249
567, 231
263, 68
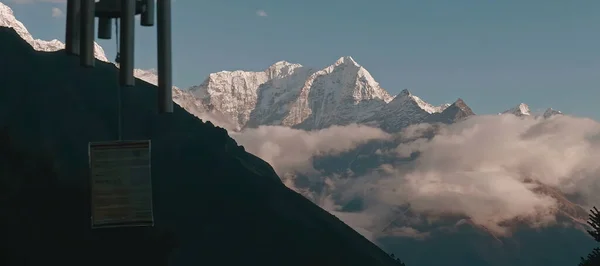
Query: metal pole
72, 27
87, 33
165, 70
119, 113
104, 28
147, 18
127, 43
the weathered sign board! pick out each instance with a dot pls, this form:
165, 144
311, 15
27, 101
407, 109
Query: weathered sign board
121, 184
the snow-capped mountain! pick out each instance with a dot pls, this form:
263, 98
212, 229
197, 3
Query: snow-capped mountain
551, 112
291, 95
340, 94
455, 112
7, 19
522, 110
235, 94
188, 101
404, 110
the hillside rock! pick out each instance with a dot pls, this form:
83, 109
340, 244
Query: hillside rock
223, 205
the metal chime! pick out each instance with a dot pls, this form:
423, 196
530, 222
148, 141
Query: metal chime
80, 29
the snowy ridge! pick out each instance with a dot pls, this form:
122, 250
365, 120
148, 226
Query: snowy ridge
292, 95
7, 19
188, 101
404, 110
340, 94
551, 112
457, 111
522, 110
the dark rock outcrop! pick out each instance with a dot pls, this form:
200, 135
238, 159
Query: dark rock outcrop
215, 204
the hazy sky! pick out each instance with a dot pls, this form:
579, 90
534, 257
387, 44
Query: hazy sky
493, 54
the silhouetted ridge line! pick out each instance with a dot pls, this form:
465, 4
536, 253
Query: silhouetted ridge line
218, 204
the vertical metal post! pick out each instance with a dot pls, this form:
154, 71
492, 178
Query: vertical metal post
104, 28
127, 43
72, 27
147, 19
165, 68
87, 29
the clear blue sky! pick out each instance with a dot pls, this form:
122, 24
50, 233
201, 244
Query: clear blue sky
493, 54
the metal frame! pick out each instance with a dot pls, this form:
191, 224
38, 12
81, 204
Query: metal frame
80, 28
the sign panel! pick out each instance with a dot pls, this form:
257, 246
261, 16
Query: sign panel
121, 184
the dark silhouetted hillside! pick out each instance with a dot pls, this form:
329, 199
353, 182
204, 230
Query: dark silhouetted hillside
593, 259
215, 204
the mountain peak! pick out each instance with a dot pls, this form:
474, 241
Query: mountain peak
346, 60
281, 68
459, 103
459, 110
404, 92
551, 112
8, 19
519, 110
283, 63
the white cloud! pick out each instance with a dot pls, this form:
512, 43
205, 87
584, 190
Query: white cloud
57, 12
261, 13
292, 149
486, 168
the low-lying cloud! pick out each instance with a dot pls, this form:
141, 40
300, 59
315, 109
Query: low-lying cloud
292, 150
485, 168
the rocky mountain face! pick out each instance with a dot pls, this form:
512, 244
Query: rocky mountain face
522, 110
291, 95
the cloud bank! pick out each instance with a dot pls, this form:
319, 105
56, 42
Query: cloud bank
292, 150
485, 168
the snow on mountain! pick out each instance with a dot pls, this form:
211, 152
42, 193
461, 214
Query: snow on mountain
235, 94
404, 110
340, 94
8, 19
276, 97
292, 95
520, 110
551, 112
457, 111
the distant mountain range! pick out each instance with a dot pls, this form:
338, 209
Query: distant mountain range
292, 95
288, 94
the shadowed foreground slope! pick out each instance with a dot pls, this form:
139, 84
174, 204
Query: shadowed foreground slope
216, 203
